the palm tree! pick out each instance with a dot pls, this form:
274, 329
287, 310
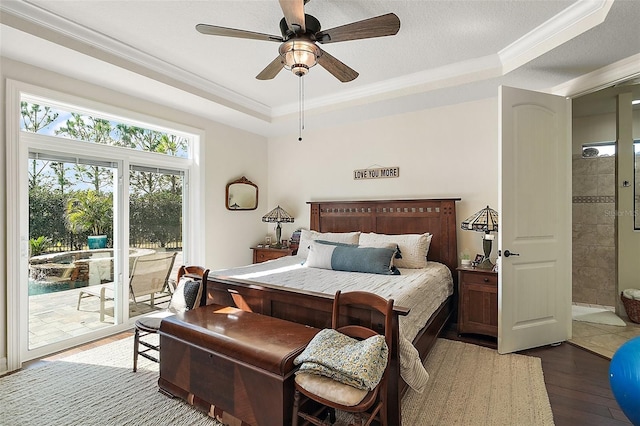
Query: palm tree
89, 211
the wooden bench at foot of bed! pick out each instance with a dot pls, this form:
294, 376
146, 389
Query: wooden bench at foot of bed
314, 309
239, 362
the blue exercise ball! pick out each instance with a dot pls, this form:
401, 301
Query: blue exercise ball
624, 377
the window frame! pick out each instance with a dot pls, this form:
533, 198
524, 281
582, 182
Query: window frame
19, 143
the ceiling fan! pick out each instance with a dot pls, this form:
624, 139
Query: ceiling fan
301, 34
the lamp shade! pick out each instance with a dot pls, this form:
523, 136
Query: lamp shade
486, 220
277, 215
299, 55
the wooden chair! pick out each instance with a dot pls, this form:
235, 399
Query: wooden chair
189, 293
373, 405
149, 275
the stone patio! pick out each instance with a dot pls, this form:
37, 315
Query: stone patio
54, 317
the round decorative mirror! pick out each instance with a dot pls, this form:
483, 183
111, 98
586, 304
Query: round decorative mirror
242, 194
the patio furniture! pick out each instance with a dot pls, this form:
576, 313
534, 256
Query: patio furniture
187, 295
149, 275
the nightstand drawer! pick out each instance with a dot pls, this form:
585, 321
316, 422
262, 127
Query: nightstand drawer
262, 254
480, 278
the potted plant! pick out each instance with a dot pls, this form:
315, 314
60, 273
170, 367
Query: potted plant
465, 258
89, 211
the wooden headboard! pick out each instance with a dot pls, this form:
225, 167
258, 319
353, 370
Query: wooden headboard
436, 216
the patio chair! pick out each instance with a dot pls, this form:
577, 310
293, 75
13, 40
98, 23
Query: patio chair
188, 294
149, 275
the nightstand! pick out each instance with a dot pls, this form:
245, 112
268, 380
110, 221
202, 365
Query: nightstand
262, 254
477, 301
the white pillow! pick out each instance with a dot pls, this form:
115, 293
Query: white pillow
413, 247
306, 237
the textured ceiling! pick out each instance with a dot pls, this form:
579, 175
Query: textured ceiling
444, 51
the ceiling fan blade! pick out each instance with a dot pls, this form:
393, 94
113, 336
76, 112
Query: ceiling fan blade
231, 32
380, 26
294, 15
337, 68
271, 70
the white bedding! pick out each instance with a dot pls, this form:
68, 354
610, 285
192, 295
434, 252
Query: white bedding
420, 290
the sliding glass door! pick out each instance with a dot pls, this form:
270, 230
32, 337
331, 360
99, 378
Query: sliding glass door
72, 277
99, 224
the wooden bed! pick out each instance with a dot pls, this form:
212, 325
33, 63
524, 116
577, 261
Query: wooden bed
436, 216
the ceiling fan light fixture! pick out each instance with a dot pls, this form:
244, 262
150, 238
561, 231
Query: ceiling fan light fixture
299, 56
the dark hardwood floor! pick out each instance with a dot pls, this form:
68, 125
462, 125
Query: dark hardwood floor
577, 382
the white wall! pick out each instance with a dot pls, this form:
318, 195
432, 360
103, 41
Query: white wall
448, 152
598, 128
228, 154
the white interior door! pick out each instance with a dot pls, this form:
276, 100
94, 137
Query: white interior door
534, 286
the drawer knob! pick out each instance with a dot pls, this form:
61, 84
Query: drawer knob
486, 280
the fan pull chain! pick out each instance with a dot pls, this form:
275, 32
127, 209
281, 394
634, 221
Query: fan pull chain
301, 108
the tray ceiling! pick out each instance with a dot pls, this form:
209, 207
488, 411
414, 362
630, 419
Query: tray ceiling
445, 51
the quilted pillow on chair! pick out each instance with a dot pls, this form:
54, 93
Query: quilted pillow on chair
186, 296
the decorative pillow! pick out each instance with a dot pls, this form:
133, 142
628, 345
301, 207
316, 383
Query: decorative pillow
186, 295
412, 247
306, 237
392, 246
357, 363
350, 258
334, 243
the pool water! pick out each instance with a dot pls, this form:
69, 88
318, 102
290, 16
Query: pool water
45, 287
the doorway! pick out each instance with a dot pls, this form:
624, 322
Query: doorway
596, 228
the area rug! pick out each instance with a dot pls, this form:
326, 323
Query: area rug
94, 387
469, 385
474, 385
596, 315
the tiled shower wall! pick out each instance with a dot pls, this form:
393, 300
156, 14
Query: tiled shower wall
594, 251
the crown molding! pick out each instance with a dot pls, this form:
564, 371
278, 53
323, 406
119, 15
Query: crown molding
599, 79
571, 22
576, 19
437, 78
38, 22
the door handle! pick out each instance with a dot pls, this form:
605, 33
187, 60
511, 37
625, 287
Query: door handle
508, 253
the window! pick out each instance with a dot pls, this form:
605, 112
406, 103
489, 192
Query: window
599, 149
605, 149
42, 116
82, 173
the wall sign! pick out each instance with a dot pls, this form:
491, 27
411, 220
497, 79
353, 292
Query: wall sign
377, 173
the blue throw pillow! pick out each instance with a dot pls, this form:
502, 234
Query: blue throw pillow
351, 258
